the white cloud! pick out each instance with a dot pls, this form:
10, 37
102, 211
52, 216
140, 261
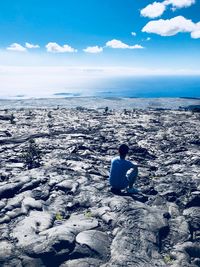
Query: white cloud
119, 44
136, 46
179, 3
56, 48
93, 49
133, 33
16, 47
30, 46
170, 27
196, 33
153, 10
158, 8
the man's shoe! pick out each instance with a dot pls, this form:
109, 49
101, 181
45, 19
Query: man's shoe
115, 191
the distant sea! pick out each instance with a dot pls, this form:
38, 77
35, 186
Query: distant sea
151, 86
140, 86
140, 92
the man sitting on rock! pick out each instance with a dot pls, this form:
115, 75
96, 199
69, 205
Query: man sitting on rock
123, 173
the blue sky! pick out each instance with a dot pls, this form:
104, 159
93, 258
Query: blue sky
136, 37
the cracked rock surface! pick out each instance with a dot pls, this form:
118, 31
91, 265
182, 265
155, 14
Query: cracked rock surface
61, 212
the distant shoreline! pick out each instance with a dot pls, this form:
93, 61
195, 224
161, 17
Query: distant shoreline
115, 103
188, 97
78, 96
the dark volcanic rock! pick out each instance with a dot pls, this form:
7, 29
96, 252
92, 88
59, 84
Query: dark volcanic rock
9, 190
63, 213
194, 201
139, 240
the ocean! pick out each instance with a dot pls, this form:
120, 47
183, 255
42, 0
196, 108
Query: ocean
151, 86
117, 93
140, 86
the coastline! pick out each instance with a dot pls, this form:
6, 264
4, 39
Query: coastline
116, 103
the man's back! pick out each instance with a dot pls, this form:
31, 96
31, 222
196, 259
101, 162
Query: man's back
119, 168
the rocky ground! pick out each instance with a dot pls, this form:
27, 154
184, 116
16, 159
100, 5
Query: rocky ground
56, 207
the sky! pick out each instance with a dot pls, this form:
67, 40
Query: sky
62, 44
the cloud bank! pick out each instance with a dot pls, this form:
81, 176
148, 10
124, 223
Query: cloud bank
53, 47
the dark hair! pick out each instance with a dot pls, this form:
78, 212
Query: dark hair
123, 149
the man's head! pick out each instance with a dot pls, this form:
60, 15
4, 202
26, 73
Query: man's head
123, 150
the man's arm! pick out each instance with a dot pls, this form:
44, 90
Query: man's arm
135, 167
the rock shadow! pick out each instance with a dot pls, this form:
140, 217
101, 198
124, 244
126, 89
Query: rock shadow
138, 197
